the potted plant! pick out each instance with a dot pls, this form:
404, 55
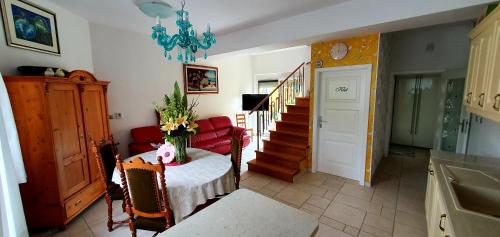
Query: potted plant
177, 121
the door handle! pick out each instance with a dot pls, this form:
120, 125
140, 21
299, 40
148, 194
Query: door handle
481, 100
462, 125
496, 105
469, 96
441, 222
415, 98
418, 97
321, 121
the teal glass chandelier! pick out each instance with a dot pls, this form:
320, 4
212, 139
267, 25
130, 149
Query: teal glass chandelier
186, 40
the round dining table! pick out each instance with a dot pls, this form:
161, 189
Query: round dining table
206, 176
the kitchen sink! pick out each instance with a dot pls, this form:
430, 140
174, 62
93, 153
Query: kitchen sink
473, 191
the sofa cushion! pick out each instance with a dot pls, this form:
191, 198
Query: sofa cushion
147, 134
224, 132
221, 141
205, 125
224, 149
205, 145
202, 137
221, 122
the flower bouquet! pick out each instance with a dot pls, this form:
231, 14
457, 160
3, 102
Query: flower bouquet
177, 121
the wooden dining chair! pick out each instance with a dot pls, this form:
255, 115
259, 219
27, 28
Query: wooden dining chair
146, 202
241, 121
104, 154
236, 154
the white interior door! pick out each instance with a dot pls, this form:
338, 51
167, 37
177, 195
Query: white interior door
342, 120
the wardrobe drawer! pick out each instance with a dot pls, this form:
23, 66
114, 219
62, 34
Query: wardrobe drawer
83, 199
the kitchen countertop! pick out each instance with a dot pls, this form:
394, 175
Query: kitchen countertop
466, 224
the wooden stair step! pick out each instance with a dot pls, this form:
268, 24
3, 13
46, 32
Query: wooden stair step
294, 117
290, 133
304, 101
287, 143
282, 156
297, 109
286, 147
294, 123
292, 126
282, 160
283, 136
273, 170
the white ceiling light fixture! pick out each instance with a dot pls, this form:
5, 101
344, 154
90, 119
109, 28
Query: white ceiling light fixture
155, 8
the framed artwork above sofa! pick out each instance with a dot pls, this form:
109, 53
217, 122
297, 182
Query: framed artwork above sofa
201, 79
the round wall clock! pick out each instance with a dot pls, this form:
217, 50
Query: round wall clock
339, 51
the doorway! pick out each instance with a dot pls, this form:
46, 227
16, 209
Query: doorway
428, 112
340, 120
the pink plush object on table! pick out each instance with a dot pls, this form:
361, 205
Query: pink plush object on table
167, 152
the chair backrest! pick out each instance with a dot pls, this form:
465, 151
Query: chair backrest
241, 120
236, 153
143, 196
105, 153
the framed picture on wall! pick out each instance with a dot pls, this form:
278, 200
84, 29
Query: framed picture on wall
200, 79
29, 26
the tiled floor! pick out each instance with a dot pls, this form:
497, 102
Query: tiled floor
394, 206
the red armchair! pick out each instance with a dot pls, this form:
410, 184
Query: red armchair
215, 135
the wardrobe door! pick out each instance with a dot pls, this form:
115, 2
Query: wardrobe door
69, 139
95, 116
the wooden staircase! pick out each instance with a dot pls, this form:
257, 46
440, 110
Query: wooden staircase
285, 152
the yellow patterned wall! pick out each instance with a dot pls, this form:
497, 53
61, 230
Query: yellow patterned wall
362, 50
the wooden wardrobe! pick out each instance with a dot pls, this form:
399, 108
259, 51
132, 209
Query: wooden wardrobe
56, 119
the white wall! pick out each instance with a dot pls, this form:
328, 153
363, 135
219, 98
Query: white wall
279, 64
74, 40
484, 138
140, 76
280, 61
451, 48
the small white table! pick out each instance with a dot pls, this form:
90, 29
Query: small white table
206, 176
246, 213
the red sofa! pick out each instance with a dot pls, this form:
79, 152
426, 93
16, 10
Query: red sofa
214, 135
143, 137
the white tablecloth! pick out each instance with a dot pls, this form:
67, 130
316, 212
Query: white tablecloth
192, 184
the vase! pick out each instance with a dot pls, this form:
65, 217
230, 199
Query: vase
180, 144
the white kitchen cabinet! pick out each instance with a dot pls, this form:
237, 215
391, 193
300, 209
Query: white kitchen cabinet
482, 91
438, 223
492, 99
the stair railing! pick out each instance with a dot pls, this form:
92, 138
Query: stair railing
284, 94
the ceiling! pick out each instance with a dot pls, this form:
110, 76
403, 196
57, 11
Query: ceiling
224, 16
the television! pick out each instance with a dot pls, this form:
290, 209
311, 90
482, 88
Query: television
249, 102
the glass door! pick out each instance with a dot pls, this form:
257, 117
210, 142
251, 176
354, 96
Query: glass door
453, 124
